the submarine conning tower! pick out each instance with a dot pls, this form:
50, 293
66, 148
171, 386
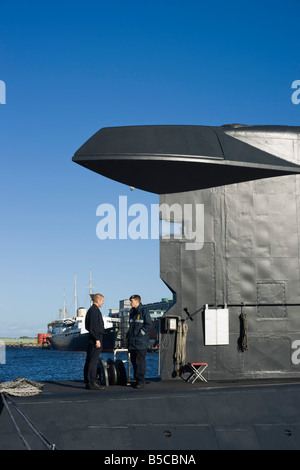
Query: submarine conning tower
236, 284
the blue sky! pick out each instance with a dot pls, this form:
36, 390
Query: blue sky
71, 68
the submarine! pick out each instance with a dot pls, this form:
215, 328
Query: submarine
234, 273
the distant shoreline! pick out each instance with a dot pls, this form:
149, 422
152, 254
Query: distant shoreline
26, 341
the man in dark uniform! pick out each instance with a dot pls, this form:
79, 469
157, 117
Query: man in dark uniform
138, 338
95, 326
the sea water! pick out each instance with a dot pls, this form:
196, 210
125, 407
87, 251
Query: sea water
40, 364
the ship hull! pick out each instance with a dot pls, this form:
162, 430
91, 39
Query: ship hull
79, 342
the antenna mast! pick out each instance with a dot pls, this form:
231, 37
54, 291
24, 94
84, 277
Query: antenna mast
75, 298
91, 302
63, 311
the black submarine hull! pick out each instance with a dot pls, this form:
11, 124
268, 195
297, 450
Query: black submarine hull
174, 419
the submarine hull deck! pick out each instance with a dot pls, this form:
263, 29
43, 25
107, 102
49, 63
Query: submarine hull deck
172, 416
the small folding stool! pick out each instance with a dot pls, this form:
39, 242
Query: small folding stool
197, 369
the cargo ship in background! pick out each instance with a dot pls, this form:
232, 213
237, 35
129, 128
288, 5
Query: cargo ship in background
69, 333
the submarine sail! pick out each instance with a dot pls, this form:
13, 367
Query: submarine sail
246, 179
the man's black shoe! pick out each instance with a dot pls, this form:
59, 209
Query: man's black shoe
140, 385
94, 386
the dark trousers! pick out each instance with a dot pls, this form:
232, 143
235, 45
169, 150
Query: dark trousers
91, 362
138, 360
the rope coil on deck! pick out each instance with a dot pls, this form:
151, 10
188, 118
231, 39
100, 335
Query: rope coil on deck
21, 387
180, 353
